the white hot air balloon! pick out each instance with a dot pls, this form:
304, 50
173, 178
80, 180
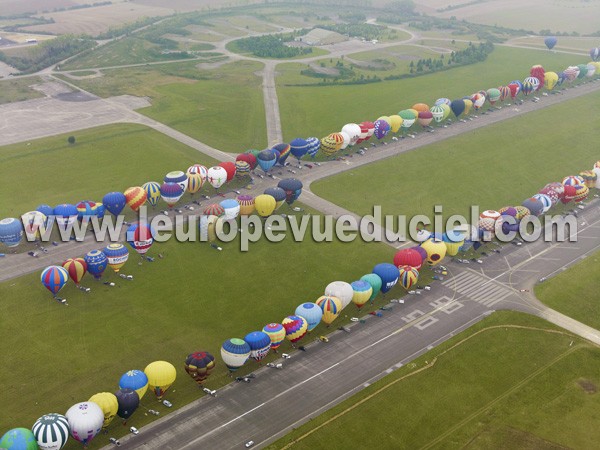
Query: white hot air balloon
341, 290
217, 176
85, 421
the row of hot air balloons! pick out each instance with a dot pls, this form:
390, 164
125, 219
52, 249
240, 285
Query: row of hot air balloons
95, 262
84, 420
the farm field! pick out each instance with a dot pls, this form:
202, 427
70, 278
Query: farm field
461, 168
507, 382
572, 292
535, 15
87, 345
301, 108
94, 165
222, 107
18, 90
98, 19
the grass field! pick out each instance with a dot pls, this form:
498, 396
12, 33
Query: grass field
461, 167
303, 114
572, 292
194, 298
493, 386
221, 107
17, 90
100, 161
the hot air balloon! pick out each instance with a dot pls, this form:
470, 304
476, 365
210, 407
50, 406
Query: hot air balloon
546, 201
229, 168
381, 128
135, 196
436, 250
550, 42
420, 107
408, 276
425, 118
389, 275
152, 189
51, 431
339, 140
11, 232
457, 106
231, 209
86, 209
362, 292
85, 421
278, 194
534, 205
235, 352
54, 278
299, 148
214, 209
538, 72
200, 170
375, 281
129, 400
161, 375
514, 89
108, 403
535, 83
217, 176
276, 333
114, 202
177, 177
581, 193
568, 194
96, 263
292, 188
139, 237
194, 182
314, 144
493, 95
117, 255
136, 380
438, 113
18, 439
242, 169
550, 80
589, 178
265, 205
331, 307
295, 328
283, 150
328, 146
266, 159
353, 131
408, 257
260, 344
246, 204
342, 290
311, 312
171, 193
248, 158
504, 92
76, 268
199, 365
46, 210
408, 118
478, 100
573, 180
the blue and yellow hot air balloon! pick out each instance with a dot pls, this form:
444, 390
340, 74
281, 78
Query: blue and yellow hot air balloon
408, 276
235, 352
136, 380
152, 189
362, 292
117, 255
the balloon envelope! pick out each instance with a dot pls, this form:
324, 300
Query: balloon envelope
161, 375
85, 421
108, 403
311, 312
260, 344
331, 307
136, 380
341, 290
54, 278
375, 281
276, 333
51, 431
18, 439
389, 275
128, 401
199, 365
11, 231
235, 353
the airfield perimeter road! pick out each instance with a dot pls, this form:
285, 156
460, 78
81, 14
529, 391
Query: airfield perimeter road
277, 401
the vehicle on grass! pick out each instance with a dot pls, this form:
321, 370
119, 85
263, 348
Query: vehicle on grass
167, 403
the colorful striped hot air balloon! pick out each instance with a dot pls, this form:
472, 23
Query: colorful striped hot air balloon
276, 333
214, 210
54, 278
408, 276
331, 307
199, 365
76, 268
152, 189
200, 170
246, 204
117, 255
194, 182
135, 196
171, 193
295, 328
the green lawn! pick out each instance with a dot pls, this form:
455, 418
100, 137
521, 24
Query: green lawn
18, 90
320, 110
573, 293
492, 386
222, 106
194, 298
103, 159
492, 166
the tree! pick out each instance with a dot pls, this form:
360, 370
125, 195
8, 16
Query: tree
71, 140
